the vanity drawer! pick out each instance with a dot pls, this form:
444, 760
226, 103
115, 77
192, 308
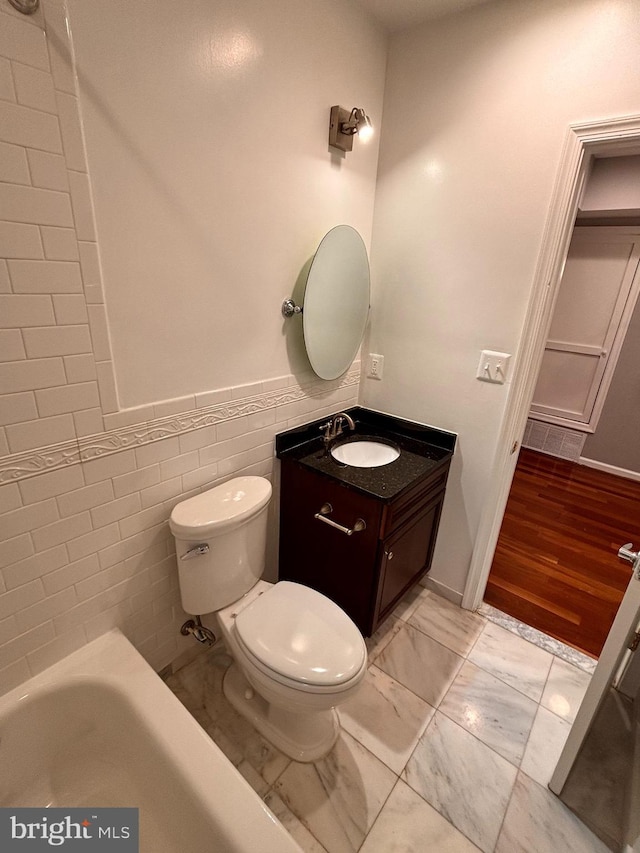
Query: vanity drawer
413, 502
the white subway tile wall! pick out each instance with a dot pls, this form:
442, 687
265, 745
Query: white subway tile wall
85, 544
87, 547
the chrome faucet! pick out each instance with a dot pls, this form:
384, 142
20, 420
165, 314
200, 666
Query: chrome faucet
333, 428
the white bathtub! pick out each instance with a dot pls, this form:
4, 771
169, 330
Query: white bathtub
101, 729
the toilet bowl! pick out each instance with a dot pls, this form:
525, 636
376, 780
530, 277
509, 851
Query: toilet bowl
296, 653
288, 675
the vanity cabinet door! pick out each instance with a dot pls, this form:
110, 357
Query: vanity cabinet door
312, 552
367, 572
406, 555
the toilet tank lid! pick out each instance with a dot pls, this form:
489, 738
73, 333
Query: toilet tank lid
302, 634
217, 510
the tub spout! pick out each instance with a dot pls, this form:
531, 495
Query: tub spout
199, 631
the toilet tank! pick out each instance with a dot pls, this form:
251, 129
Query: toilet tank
221, 538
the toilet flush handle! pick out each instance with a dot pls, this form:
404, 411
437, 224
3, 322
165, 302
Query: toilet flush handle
196, 551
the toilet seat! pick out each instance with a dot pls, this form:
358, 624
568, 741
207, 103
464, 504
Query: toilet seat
301, 639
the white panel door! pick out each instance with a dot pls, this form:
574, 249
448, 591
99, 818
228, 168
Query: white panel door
613, 653
596, 299
632, 839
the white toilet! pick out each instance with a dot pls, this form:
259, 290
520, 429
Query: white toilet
296, 654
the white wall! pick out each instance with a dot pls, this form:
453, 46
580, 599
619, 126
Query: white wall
206, 127
476, 111
86, 489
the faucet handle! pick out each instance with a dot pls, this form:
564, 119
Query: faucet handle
325, 428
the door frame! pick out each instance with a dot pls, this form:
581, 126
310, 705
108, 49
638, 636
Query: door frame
582, 143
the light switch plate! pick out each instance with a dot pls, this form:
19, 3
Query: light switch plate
493, 366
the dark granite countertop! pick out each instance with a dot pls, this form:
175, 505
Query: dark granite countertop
423, 449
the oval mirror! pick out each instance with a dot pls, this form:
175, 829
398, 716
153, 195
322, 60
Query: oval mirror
336, 302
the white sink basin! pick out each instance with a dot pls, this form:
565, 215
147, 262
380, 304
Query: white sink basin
366, 453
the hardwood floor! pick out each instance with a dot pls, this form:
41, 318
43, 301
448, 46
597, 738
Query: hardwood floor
556, 565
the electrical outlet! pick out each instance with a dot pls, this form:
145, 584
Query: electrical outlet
493, 366
376, 365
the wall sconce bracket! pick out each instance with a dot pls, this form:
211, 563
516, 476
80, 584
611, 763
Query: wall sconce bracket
337, 138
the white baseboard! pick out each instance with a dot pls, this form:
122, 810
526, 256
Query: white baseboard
442, 590
610, 469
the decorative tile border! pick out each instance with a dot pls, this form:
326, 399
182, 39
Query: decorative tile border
19, 466
34, 462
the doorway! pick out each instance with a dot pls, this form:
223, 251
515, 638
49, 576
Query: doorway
555, 567
584, 142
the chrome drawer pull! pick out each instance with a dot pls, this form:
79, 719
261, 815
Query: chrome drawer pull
325, 509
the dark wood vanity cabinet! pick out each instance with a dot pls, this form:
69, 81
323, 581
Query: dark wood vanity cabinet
367, 572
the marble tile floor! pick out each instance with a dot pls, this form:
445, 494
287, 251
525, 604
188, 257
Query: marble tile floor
447, 748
